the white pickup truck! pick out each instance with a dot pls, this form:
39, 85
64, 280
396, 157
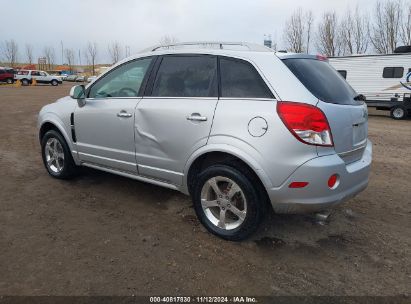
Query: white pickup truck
26, 77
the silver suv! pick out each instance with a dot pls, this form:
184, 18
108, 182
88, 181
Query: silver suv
235, 125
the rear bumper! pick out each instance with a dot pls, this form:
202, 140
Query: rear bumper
316, 196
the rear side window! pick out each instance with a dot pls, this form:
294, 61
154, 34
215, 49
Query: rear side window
322, 80
186, 76
240, 79
393, 72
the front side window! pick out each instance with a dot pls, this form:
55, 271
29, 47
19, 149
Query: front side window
393, 72
240, 79
123, 81
186, 76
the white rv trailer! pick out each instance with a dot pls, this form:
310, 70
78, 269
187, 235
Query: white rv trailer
383, 79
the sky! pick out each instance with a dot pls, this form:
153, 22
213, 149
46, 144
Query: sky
142, 23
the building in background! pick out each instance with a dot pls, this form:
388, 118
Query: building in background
268, 42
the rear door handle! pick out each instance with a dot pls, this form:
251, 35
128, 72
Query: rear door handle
124, 114
196, 117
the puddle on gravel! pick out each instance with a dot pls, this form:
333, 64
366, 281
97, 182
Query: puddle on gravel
270, 242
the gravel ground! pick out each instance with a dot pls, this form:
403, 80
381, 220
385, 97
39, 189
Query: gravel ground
102, 234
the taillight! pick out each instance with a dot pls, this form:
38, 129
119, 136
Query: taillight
306, 122
322, 57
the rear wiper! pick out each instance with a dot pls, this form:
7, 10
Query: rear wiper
360, 97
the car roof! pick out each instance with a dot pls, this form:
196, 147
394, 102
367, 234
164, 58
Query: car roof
217, 45
235, 49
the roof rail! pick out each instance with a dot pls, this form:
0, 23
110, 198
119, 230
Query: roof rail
211, 44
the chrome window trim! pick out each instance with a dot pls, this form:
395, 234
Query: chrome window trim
177, 97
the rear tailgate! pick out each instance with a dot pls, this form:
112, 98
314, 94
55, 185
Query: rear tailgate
349, 127
347, 117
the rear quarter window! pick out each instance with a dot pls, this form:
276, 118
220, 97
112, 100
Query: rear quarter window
239, 79
322, 80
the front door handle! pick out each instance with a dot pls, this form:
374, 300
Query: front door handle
196, 117
124, 114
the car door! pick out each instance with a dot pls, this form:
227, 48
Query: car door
36, 75
174, 118
42, 77
104, 126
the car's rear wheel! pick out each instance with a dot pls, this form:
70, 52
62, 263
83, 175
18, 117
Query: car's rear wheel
9, 80
227, 203
25, 82
57, 157
399, 112
54, 82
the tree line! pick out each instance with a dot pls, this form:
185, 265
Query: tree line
10, 53
352, 32
332, 34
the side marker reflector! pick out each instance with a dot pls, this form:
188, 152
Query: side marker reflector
298, 184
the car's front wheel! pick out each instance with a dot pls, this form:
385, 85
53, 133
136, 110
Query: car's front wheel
227, 202
54, 82
10, 81
57, 157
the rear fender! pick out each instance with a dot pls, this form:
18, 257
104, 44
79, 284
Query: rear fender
251, 161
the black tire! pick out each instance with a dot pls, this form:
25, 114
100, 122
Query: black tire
256, 201
54, 83
69, 168
25, 82
398, 112
10, 81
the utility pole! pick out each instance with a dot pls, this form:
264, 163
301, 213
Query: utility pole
62, 52
79, 57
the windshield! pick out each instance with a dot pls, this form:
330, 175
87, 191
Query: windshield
322, 80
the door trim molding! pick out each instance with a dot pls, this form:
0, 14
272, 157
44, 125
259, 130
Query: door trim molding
133, 176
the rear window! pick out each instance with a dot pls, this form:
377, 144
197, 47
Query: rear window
322, 80
23, 73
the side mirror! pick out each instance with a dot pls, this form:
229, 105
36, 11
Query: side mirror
79, 92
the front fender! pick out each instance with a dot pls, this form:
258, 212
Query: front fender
50, 117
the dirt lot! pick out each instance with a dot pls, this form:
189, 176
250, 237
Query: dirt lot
102, 234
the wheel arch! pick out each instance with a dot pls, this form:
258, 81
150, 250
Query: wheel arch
212, 154
50, 122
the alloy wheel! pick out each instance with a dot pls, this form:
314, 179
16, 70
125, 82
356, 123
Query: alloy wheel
223, 202
54, 155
